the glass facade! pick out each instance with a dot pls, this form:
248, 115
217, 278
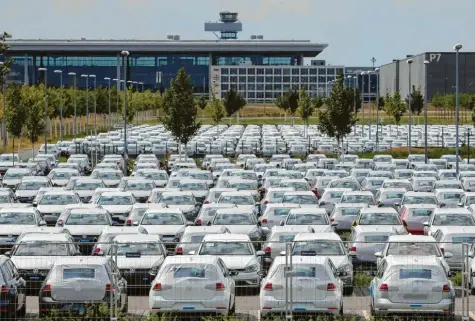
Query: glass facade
256, 60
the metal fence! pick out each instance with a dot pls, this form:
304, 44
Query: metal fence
131, 274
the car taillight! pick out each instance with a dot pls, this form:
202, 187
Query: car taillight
128, 222
446, 288
332, 220
331, 287
157, 287
353, 249
108, 288
220, 286
268, 287
442, 250
403, 213
264, 221
206, 202
383, 287
5, 289
179, 251
96, 251
198, 221
46, 289
267, 250
266, 202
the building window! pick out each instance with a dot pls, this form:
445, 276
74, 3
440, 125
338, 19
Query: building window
295, 86
269, 94
224, 71
304, 86
286, 79
304, 79
277, 71
260, 94
260, 87
251, 78
224, 86
233, 71
242, 71
268, 87
260, 71
322, 71
242, 87
313, 79
251, 94
330, 71
251, 87
286, 87
339, 71
233, 86
304, 71
286, 71
278, 79
322, 79
295, 79
277, 86
269, 79
269, 71
242, 78
251, 71
233, 79
260, 78
313, 71
295, 71
224, 79
276, 95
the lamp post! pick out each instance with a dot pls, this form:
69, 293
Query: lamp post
109, 114
457, 48
355, 111
4, 125
409, 145
117, 86
74, 98
125, 55
426, 98
46, 108
95, 116
369, 103
377, 107
363, 73
136, 107
87, 102
143, 111
60, 72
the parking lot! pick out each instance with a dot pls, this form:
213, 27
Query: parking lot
251, 220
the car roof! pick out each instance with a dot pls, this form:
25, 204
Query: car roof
226, 238
60, 237
117, 194
307, 210
89, 211
462, 211
60, 192
375, 229
331, 236
351, 205
411, 238
136, 238
205, 229
457, 229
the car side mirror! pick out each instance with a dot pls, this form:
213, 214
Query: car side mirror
262, 273
322, 203
8, 253
135, 223
460, 204
260, 253
282, 253
448, 255
397, 204
42, 223
442, 205
233, 273
35, 204
378, 254
282, 223
380, 204
471, 255
192, 253
426, 224
59, 223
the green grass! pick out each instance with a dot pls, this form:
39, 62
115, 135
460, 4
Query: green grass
362, 279
402, 152
457, 279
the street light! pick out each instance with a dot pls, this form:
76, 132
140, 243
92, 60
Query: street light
363, 73
409, 62
46, 108
136, 107
87, 102
377, 107
457, 48
143, 116
355, 80
117, 86
60, 72
426, 98
125, 55
95, 116
4, 125
108, 118
370, 72
74, 98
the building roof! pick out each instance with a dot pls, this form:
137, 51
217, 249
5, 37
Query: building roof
304, 47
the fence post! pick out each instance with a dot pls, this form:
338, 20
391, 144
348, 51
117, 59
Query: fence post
288, 282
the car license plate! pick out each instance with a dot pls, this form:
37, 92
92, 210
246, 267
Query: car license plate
416, 305
299, 309
188, 308
84, 240
34, 277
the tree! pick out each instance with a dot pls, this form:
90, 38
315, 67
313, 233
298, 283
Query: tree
217, 109
233, 102
467, 101
339, 117
417, 101
33, 101
293, 98
14, 112
180, 109
395, 107
305, 109
7, 61
318, 102
201, 103
449, 101
282, 102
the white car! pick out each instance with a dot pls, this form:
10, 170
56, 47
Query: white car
193, 284
453, 217
317, 287
316, 218
167, 222
237, 253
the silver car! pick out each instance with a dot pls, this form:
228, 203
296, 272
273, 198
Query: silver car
414, 285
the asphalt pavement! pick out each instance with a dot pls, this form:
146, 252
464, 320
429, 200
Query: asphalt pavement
247, 307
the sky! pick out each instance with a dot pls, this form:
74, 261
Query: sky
355, 30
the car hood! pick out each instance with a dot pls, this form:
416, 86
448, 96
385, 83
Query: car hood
11, 182
238, 261
26, 193
50, 208
114, 209
163, 229
143, 262
183, 208
13, 229
85, 193
34, 262
240, 229
85, 229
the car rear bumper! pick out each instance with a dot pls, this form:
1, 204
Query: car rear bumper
385, 307
329, 305
219, 305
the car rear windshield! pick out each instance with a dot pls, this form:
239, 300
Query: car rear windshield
376, 238
189, 272
281, 211
17, 218
415, 248
79, 273
350, 211
454, 220
415, 274
87, 219
422, 212
463, 239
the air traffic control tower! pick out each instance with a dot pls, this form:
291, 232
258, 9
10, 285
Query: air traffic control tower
229, 25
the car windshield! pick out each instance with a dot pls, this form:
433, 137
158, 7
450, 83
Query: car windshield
419, 200
138, 249
162, 219
31, 186
244, 175
82, 186
201, 176
365, 199
299, 199
451, 196
139, 186
298, 186
226, 248
349, 211
106, 175
115, 200
318, 247
195, 186
234, 219
64, 175
177, 199
243, 186
344, 184
413, 248
17, 218
57, 199
14, 174
41, 248
307, 219
379, 219
453, 220
153, 175
5, 198
87, 219
236, 200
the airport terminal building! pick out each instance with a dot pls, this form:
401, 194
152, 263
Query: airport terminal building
259, 69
